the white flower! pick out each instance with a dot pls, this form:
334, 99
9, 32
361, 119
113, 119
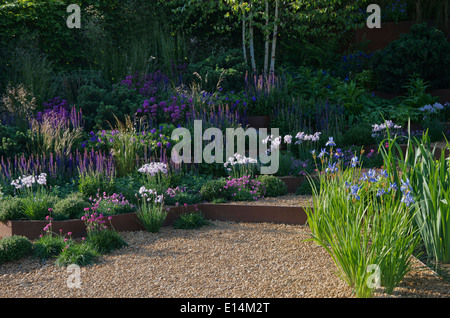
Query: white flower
288, 139
275, 143
142, 190
153, 168
159, 198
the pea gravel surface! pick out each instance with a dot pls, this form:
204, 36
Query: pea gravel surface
221, 260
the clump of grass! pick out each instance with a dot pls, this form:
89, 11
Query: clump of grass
191, 220
365, 222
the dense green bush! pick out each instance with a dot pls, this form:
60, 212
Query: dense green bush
91, 183
14, 247
12, 141
273, 186
11, 209
225, 69
424, 50
68, 83
184, 197
192, 181
36, 18
72, 206
358, 135
213, 189
113, 204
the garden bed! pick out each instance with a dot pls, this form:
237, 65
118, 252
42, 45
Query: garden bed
286, 210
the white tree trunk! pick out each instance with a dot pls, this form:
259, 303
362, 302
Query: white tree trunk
266, 47
274, 39
252, 50
244, 41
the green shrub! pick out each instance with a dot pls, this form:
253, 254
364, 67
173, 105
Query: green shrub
48, 246
78, 254
113, 204
12, 141
184, 197
191, 220
100, 106
68, 83
358, 135
91, 182
14, 247
129, 185
274, 186
89, 97
11, 209
213, 189
72, 206
424, 50
105, 241
192, 181
227, 67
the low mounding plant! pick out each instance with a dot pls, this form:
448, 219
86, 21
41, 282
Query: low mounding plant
73, 206
14, 247
213, 189
151, 211
10, 209
364, 220
191, 220
112, 204
273, 186
174, 196
244, 189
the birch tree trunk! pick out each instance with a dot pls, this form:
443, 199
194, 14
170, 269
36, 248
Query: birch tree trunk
244, 41
274, 39
252, 49
266, 46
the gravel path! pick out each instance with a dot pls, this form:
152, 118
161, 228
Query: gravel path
285, 200
225, 259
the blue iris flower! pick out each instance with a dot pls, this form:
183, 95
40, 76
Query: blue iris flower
330, 142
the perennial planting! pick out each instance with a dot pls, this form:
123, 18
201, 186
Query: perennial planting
89, 130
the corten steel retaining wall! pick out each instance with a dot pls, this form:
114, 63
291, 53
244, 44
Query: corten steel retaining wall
130, 221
